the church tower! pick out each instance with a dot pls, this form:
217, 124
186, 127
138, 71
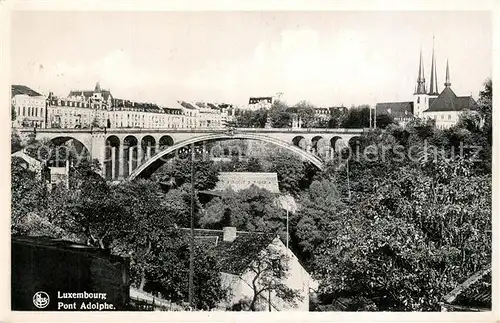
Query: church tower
420, 97
433, 90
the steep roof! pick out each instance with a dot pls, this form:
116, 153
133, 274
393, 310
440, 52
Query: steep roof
235, 256
395, 109
88, 94
253, 100
449, 101
17, 89
188, 105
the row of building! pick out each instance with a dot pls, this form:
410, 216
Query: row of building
98, 108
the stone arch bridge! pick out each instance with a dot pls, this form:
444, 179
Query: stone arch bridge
129, 153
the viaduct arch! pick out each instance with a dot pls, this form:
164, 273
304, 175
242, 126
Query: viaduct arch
147, 168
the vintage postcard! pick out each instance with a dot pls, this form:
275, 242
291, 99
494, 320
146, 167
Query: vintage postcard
279, 159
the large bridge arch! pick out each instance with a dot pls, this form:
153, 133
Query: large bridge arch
155, 162
65, 146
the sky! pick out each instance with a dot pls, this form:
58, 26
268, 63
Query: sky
327, 58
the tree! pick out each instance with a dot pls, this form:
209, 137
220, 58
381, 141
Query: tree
306, 114
15, 142
408, 233
168, 273
12, 113
279, 116
290, 170
486, 109
337, 117
143, 217
252, 209
179, 168
269, 270
384, 120
28, 196
251, 119
358, 117
320, 205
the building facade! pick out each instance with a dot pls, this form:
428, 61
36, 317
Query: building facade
256, 103
245, 257
446, 108
74, 113
29, 107
128, 114
98, 108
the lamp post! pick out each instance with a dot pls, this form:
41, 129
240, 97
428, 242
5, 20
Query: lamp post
287, 202
191, 242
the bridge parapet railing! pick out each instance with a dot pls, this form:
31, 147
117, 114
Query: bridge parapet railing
199, 130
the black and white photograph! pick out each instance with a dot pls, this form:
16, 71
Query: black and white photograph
250, 160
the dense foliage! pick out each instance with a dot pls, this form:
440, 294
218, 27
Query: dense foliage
394, 227
280, 115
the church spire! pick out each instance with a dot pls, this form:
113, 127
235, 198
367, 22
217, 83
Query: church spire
447, 83
421, 77
433, 90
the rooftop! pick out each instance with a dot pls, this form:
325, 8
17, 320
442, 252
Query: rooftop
449, 101
395, 109
235, 256
17, 89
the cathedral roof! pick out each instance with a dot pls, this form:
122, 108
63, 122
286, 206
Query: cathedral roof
449, 101
395, 109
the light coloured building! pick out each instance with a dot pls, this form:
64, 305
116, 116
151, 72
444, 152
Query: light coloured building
206, 115
446, 109
128, 114
74, 113
29, 107
212, 116
246, 257
256, 103
98, 108
98, 96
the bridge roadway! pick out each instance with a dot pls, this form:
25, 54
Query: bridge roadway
144, 150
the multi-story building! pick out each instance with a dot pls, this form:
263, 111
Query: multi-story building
74, 113
29, 107
98, 108
256, 103
206, 115
98, 96
211, 115
128, 114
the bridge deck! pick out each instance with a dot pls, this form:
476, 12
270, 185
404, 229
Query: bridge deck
195, 130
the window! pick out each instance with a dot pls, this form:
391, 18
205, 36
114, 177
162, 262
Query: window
449, 117
442, 116
24, 111
418, 99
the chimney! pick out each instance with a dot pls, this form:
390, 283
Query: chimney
229, 234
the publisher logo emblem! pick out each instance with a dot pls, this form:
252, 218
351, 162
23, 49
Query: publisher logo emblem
41, 299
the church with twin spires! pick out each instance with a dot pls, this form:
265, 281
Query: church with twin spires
443, 107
